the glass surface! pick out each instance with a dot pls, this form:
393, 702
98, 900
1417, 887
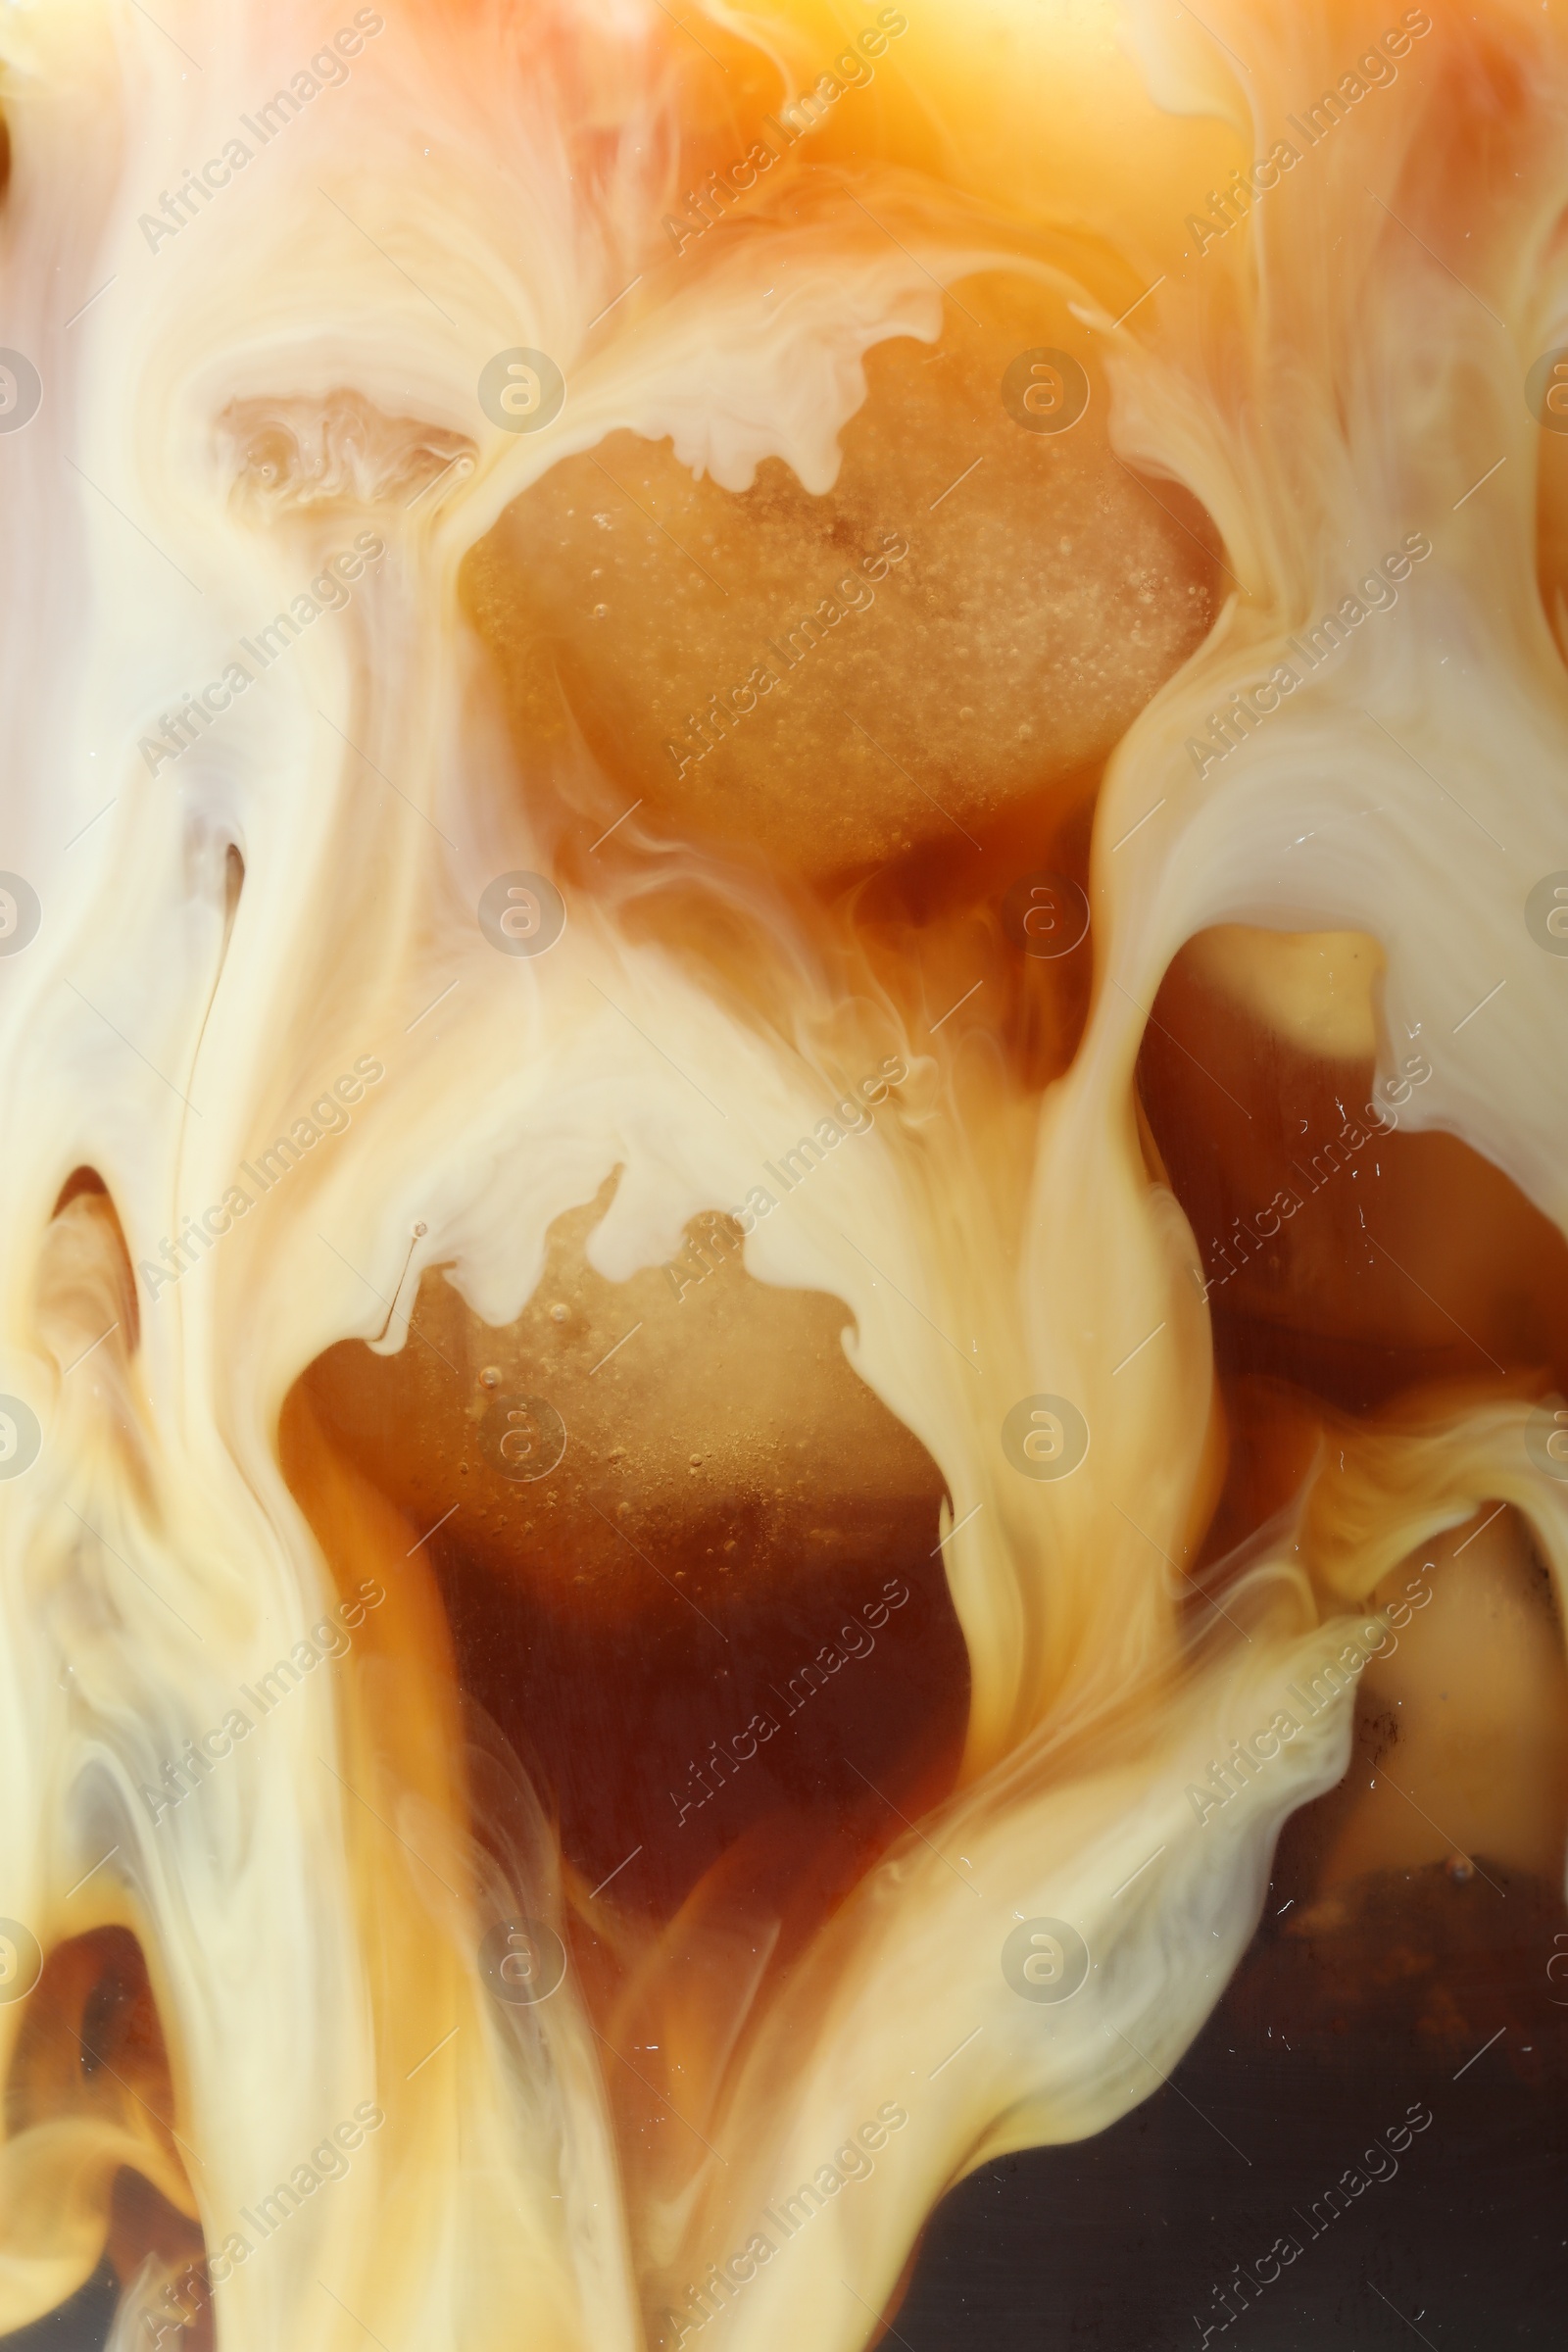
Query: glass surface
783, 929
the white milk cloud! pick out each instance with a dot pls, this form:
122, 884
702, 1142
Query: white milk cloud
490, 179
